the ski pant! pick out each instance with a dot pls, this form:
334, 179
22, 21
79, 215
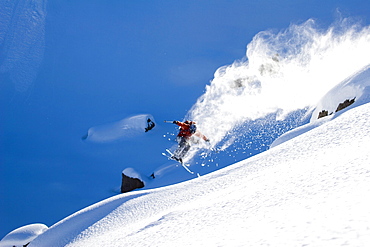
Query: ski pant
182, 148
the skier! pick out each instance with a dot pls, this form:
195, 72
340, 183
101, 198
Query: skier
187, 129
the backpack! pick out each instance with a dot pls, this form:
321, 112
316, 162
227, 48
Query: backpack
192, 128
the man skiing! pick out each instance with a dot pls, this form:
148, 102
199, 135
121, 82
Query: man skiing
187, 129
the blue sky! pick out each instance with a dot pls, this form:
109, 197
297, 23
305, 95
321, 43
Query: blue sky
103, 61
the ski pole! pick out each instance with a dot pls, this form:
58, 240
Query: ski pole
166, 121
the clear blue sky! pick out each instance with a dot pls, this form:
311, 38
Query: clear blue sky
105, 60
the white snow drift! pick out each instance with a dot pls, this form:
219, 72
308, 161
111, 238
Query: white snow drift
126, 128
311, 190
23, 235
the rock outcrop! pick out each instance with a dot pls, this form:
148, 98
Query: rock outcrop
323, 113
129, 183
345, 104
341, 106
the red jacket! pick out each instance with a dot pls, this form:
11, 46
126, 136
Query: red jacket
184, 129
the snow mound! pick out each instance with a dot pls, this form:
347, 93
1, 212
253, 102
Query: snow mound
355, 87
22, 235
130, 172
311, 190
299, 131
123, 129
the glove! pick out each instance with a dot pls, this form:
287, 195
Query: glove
175, 122
207, 140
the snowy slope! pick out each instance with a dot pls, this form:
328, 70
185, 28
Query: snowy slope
272, 90
246, 106
310, 190
355, 87
23, 235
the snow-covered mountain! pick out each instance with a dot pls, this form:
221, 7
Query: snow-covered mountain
309, 190
272, 170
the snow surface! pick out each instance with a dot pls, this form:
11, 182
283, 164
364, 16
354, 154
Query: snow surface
22, 235
130, 172
355, 87
309, 191
126, 128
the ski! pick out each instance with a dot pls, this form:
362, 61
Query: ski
186, 168
170, 158
168, 154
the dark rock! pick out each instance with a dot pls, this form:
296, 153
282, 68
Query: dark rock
150, 124
129, 184
345, 104
341, 106
323, 113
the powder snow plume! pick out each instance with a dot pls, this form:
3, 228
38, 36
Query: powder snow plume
284, 73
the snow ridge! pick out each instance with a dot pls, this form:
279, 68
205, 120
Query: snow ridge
310, 190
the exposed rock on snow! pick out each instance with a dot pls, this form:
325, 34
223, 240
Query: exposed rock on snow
346, 103
341, 106
354, 87
311, 191
130, 180
323, 113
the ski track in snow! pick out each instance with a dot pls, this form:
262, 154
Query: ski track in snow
309, 191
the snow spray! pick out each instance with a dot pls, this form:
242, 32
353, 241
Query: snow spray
283, 75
